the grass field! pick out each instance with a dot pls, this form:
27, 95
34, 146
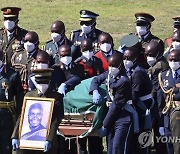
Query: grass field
116, 16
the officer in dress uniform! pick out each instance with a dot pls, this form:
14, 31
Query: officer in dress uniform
42, 78
105, 44
58, 38
118, 123
92, 67
141, 95
154, 52
143, 29
10, 90
169, 83
74, 73
24, 60
176, 26
11, 36
175, 43
88, 29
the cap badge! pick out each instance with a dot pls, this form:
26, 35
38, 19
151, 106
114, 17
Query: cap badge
83, 12
8, 11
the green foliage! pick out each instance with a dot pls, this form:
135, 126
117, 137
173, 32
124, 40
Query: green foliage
116, 16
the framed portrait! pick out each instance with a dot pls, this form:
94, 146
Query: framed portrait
35, 122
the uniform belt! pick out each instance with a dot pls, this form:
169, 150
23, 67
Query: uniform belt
129, 102
108, 103
143, 98
4, 104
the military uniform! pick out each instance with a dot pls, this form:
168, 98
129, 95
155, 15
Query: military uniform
118, 120
10, 90
52, 48
57, 115
160, 66
171, 111
23, 63
14, 44
143, 102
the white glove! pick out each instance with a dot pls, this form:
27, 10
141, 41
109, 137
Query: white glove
161, 131
62, 89
15, 144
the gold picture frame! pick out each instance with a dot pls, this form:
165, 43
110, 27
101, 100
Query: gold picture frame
35, 122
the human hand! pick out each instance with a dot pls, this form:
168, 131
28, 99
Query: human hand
47, 146
161, 131
62, 89
102, 132
15, 144
96, 97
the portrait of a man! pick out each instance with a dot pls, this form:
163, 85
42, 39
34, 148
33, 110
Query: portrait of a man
34, 130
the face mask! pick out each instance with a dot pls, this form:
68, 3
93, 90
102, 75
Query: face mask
141, 30
42, 87
176, 45
151, 60
9, 25
174, 65
66, 59
127, 64
29, 46
86, 29
106, 47
42, 66
113, 71
56, 37
87, 54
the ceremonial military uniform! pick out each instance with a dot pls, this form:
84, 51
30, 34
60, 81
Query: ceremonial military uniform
170, 96
10, 90
118, 120
57, 115
13, 41
23, 63
52, 48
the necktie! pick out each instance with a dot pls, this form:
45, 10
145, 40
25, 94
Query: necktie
176, 75
10, 36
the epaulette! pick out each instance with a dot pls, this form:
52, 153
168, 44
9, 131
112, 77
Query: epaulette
78, 59
49, 41
72, 33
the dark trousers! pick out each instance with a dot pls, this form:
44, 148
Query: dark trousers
119, 138
169, 146
175, 129
95, 145
66, 146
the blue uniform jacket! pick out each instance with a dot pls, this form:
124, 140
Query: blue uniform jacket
121, 90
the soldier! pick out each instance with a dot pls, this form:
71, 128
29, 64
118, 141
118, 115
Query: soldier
176, 26
175, 43
169, 83
74, 73
11, 36
92, 67
141, 95
10, 90
58, 38
118, 121
105, 43
24, 60
154, 53
88, 29
42, 78
143, 29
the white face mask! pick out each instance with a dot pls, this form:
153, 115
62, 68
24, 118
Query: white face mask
42, 66
128, 64
87, 54
42, 87
66, 59
151, 60
174, 65
113, 71
141, 30
176, 45
86, 29
56, 37
106, 47
9, 25
29, 46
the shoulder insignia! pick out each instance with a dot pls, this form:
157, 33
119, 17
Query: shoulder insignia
167, 73
49, 41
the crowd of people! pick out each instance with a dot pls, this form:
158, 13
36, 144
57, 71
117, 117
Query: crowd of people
142, 82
